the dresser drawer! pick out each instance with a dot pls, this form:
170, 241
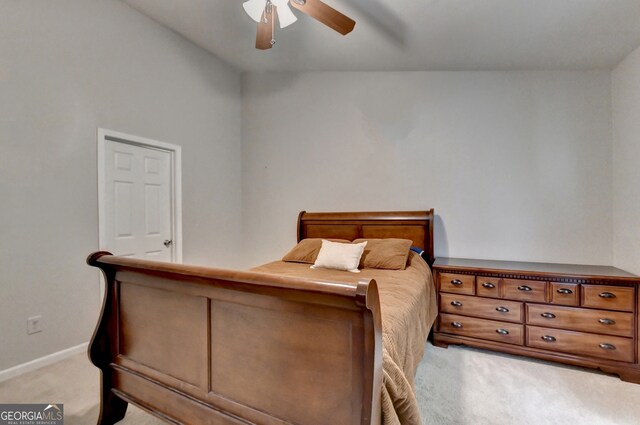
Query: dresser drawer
564, 293
481, 328
581, 319
608, 297
458, 283
488, 286
510, 311
603, 346
525, 290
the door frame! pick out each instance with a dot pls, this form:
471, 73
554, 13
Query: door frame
175, 153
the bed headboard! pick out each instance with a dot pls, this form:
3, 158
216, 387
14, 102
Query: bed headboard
414, 225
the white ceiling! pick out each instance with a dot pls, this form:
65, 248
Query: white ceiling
408, 35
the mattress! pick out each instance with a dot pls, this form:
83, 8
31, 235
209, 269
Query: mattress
408, 310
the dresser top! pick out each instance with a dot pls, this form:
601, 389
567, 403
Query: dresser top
606, 272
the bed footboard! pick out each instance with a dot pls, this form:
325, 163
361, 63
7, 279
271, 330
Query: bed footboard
197, 345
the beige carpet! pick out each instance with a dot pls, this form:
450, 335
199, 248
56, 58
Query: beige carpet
466, 386
75, 382
455, 386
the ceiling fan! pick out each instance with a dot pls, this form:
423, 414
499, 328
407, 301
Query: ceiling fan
265, 13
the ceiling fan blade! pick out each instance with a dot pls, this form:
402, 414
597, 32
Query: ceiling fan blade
325, 14
264, 37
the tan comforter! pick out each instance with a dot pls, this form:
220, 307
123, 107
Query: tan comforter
408, 306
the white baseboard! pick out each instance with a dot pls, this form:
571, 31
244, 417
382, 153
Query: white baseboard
41, 362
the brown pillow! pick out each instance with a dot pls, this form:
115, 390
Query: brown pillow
306, 251
388, 254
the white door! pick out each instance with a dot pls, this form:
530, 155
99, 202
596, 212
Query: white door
137, 208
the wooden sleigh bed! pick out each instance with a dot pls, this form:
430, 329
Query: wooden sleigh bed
199, 345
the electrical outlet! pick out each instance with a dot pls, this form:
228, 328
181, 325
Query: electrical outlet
34, 324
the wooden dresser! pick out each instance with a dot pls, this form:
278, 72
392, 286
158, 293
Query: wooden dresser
579, 315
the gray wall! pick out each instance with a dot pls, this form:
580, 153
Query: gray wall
516, 164
66, 68
626, 163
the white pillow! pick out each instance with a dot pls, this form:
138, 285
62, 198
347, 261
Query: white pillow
339, 256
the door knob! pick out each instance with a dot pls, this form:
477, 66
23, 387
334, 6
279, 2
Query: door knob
168, 243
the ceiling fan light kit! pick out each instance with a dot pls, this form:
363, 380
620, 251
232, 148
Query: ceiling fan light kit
254, 9
265, 12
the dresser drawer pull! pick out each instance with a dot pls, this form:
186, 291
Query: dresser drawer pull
488, 285
502, 309
524, 288
502, 331
606, 295
548, 338
548, 315
565, 291
456, 282
607, 321
456, 324
607, 346
456, 303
